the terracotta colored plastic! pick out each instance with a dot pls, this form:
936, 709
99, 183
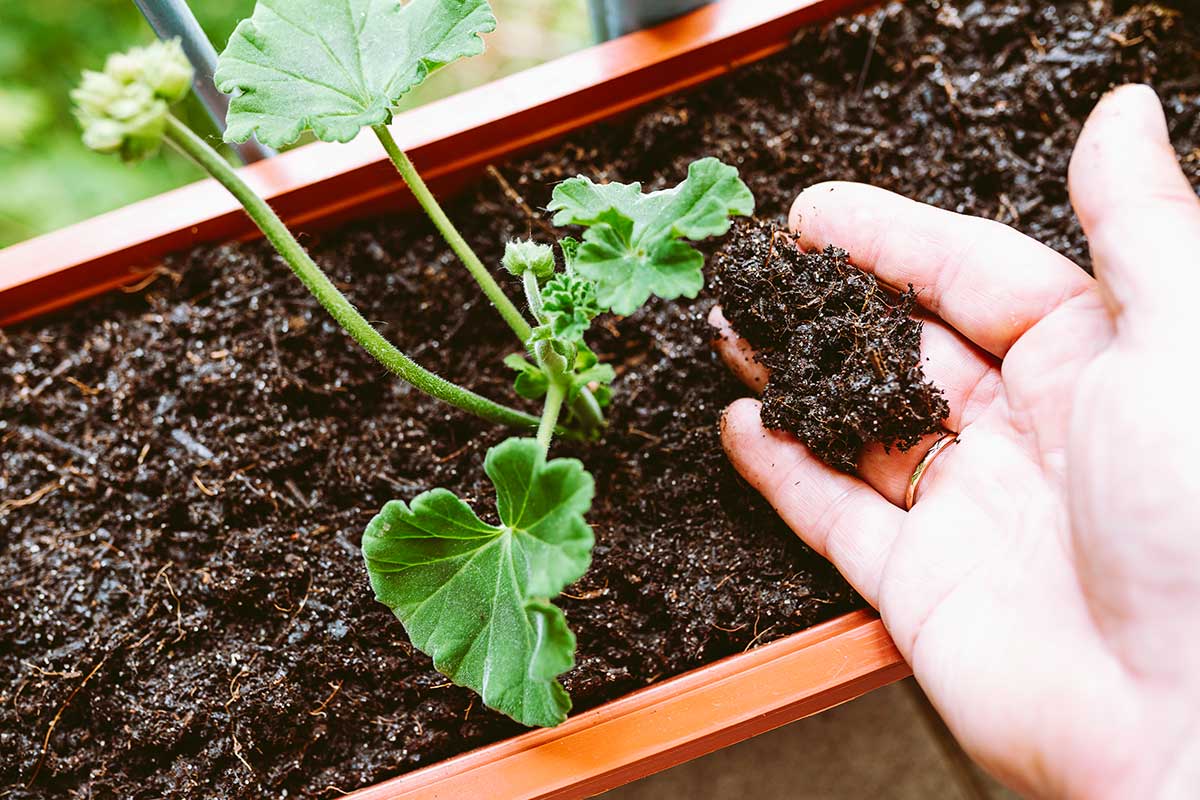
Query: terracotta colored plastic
670, 722
451, 141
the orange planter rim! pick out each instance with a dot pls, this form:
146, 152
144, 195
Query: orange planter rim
669, 722
451, 141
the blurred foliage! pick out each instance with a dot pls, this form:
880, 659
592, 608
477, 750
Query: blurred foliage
51, 180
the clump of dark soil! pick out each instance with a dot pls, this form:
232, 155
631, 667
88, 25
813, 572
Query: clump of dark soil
844, 353
186, 470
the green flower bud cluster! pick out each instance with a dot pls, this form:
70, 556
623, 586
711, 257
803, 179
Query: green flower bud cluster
124, 108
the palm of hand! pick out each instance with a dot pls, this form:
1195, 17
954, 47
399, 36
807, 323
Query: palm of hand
1045, 587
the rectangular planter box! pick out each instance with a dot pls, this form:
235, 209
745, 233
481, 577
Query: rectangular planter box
451, 141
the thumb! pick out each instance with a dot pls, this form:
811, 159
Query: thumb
1140, 214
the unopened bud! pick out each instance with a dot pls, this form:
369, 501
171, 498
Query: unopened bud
528, 256
124, 108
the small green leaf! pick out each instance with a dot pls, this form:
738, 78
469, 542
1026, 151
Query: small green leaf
588, 369
554, 356
531, 382
603, 395
569, 246
337, 66
475, 596
634, 246
601, 374
585, 359
569, 303
578, 201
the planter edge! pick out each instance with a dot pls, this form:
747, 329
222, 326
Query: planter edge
670, 722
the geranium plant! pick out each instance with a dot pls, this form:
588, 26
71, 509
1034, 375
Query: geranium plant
474, 596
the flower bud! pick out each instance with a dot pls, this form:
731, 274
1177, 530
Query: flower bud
166, 70
95, 93
124, 108
523, 256
124, 67
103, 135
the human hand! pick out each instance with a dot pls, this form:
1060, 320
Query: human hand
1045, 585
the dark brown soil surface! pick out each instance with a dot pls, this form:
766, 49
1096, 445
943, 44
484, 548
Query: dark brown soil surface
186, 469
844, 353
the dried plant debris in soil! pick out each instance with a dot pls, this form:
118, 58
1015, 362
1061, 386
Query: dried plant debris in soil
844, 354
185, 470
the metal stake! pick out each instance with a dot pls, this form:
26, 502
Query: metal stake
613, 18
173, 18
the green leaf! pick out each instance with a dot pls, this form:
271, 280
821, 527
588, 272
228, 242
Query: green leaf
475, 596
634, 246
603, 395
569, 303
588, 369
601, 374
569, 246
531, 382
336, 66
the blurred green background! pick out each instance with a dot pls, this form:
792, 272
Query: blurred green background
48, 179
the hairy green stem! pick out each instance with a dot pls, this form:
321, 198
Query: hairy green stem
554, 399
533, 296
450, 233
329, 296
587, 411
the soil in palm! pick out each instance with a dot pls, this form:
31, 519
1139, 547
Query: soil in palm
842, 351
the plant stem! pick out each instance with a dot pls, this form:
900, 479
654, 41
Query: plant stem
329, 296
450, 233
587, 410
554, 399
533, 295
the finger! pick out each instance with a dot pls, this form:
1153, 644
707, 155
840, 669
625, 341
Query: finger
838, 515
985, 279
737, 353
970, 381
1141, 216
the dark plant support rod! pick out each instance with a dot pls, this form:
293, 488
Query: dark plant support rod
174, 18
613, 18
